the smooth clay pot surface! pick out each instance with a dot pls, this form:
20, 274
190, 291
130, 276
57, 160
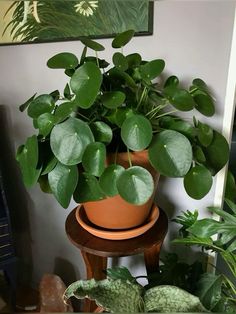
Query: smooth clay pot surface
116, 213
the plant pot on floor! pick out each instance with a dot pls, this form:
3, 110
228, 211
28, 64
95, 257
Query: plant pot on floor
114, 212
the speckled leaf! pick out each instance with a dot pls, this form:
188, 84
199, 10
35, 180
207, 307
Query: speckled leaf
171, 299
116, 296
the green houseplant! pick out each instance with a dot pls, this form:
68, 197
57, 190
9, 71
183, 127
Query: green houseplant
126, 107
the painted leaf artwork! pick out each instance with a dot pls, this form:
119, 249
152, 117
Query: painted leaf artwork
60, 20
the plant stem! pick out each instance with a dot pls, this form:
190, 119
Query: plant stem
129, 159
167, 113
96, 53
142, 97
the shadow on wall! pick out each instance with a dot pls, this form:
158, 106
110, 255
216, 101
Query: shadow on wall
18, 199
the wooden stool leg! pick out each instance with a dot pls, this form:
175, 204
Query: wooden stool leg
151, 257
95, 266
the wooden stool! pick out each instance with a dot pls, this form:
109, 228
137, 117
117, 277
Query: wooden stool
95, 251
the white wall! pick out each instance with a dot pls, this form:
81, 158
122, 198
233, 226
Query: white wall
193, 37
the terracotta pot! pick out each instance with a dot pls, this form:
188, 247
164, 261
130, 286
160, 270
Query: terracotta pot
114, 212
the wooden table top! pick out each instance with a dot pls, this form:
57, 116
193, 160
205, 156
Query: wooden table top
110, 248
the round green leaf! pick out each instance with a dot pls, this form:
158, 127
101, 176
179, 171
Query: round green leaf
112, 100
102, 132
45, 123
44, 184
152, 69
117, 74
183, 127
69, 139
170, 153
92, 44
217, 153
41, 104
27, 103
136, 132
50, 164
172, 81
198, 182
205, 134
27, 156
64, 60
64, 110
199, 83
122, 39
135, 185
108, 179
134, 60
121, 114
198, 154
62, 181
120, 61
204, 104
94, 158
179, 98
85, 83
88, 189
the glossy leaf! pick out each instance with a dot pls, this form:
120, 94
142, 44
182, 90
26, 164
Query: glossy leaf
63, 180
134, 60
83, 55
209, 290
217, 153
204, 104
69, 140
64, 111
136, 132
199, 83
198, 154
135, 185
152, 69
121, 114
205, 134
88, 189
44, 184
170, 153
94, 158
179, 98
120, 273
102, 132
109, 178
45, 123
50, 164
66, 92
55, 95
25, 105
112, 100
85, 83
122, 39
204, 228
27, 156
198, 182
41, 104
171, 81
120, 61
92, 44
64, 60
183, 127
116, 74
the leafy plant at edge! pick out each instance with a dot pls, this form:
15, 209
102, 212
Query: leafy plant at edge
216, 292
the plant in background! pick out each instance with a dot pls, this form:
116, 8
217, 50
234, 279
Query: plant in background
121, 293
216, 292
125, 107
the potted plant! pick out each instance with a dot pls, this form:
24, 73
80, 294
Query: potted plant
111, 112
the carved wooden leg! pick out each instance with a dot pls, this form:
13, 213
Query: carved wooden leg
95, 267
151, 257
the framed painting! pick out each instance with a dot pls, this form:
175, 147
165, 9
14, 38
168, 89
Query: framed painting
60, 20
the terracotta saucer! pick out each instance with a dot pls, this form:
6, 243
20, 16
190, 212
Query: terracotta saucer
116, 234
